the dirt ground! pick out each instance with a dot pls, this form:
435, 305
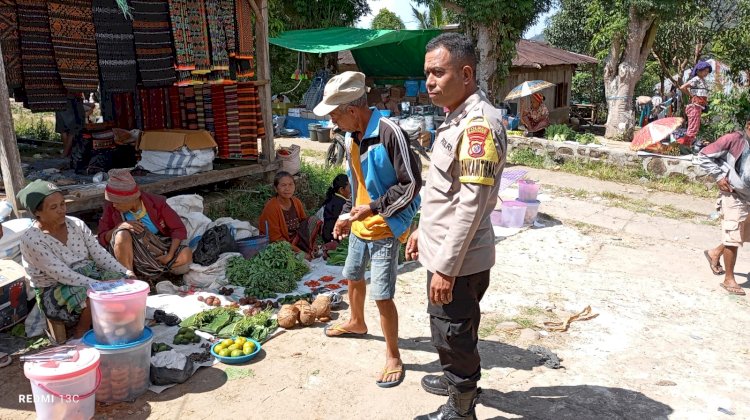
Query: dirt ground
667, 341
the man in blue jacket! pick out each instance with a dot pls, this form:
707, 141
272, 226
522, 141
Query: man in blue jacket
385, 180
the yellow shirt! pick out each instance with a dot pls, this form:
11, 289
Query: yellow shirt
374, 227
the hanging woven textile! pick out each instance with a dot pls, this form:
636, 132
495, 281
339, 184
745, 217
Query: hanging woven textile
248, 120
187, 96
245, 38
219, 111
175, 115
200, 107
233, 122
114, 43
153, 108
10, 44
73, 38
44, 88
226, 20
124, 107
190, 33
153, 42
208, 110
218, 36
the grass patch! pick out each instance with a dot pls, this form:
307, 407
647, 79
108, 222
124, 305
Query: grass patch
609, 172
586, 228
313, 154
651, 209
524, 322
488, 326
234, 373
39, 126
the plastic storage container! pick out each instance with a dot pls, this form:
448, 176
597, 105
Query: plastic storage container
532, 209
313, 129
250, 247
527, 190
125, 368
513, 213
496, 217
118, 310
65, 389
324, 134
412, 87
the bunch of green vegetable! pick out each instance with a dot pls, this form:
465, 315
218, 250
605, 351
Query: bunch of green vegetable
559, 132
294, 298
186, 335
276, 269
586, 138
159, 347
230, 323
338, 255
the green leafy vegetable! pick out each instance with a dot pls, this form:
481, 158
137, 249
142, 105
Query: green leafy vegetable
276, 269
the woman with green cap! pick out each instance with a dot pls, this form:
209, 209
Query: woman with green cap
62, 258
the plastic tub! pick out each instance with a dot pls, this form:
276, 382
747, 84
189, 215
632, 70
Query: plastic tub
124, 368
496, 217
385, 113
324, 134
527, 190
513, 213
118, 310
412, 87
313, 129
532, 209
65, 389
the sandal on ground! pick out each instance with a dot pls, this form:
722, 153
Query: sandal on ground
717, 269
343, 332
733, 290
391, 384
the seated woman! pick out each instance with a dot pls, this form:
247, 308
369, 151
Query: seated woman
535, 118
141, 230
336, 197
286, 218
62, 258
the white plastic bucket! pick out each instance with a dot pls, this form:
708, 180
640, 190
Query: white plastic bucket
532, 209
527, 190
124, 368
65, 389
118, 310
513, 213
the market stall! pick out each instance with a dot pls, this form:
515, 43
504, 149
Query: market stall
156, 65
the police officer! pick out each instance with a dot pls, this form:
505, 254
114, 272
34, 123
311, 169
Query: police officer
455, 241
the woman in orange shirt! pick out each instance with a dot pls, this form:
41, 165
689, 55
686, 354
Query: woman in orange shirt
286, 218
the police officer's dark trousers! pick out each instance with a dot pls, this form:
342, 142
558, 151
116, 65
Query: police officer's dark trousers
455, 330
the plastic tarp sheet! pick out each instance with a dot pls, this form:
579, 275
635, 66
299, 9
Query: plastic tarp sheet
378, 53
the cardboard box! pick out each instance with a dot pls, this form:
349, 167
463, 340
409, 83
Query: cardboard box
13, 307
171, 140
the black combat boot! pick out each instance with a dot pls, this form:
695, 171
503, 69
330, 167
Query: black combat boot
460, 406
435, 384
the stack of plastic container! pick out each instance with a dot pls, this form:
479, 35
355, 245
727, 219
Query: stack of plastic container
527, 193
118, 312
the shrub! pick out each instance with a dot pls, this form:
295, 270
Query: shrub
726, 113
586, 138
559, 132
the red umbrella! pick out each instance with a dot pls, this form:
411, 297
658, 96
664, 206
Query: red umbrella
655, 132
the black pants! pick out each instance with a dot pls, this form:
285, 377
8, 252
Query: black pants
455, 330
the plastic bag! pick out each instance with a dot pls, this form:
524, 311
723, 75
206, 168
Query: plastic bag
214, 242
203, 277
170, 367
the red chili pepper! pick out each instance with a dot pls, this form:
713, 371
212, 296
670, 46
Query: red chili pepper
312, 283
344, 282
332, 286
326, 278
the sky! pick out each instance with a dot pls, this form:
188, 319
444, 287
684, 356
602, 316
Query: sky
403, 9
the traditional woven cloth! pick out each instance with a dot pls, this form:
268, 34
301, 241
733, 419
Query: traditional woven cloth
10, 44
114, 43
187, 95
218, 36
243, 69
153, 42
175, 116
219, 109
190, 33
226, 20
208, 110
124, 115
233, 121
199, 36
248, 120
200, 108
73, 38
178, 11
245, 39
153, 108
44, 89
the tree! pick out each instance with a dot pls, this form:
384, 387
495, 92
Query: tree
626, 29
385, 19
691, 32
733, 45
495, 26
434, 17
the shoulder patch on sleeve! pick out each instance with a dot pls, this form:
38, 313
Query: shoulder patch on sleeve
478, 155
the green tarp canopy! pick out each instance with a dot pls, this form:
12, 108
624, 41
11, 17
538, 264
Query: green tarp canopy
378, 53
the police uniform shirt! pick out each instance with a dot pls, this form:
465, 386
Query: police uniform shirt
455, 233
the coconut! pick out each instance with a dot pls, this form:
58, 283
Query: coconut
322, 306
306, 315
287, 316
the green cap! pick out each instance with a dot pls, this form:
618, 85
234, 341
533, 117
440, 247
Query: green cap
32, 195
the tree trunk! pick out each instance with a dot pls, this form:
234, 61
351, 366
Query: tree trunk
487, 41
623, 69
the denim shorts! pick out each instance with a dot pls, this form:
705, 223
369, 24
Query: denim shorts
383, 257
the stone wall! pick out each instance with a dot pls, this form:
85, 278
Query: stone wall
660, 165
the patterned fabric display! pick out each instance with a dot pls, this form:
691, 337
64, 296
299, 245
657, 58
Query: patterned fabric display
10, 43
233, 122
44, 88
226, 20
208, 110
123, 109
114, 42
175, 116
153, 106
245, 38
190, 122
73, 38
190, 33
218, 36
153, 42
248, 120
221, 130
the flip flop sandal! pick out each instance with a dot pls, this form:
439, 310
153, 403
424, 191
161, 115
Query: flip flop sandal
717, 269
737, 290
344, 332
391, 384
4, 359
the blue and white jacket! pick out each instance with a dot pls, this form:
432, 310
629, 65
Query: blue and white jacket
392, 174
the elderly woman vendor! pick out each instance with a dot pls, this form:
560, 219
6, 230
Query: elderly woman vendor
145, 234
535, 118
62, 258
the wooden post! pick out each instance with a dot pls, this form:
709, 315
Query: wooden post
263, 60
10, 159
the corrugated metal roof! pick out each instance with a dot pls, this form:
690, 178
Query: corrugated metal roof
529, 54
535, 54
